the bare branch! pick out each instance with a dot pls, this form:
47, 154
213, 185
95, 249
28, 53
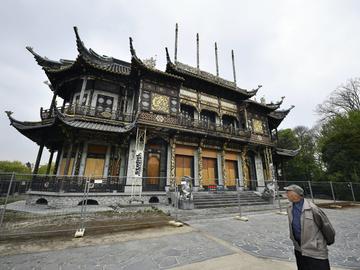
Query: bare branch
344, 99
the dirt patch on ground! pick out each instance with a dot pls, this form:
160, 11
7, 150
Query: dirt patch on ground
21, 226
21, 246
338, 205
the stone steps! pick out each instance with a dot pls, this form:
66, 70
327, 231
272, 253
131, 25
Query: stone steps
226, 199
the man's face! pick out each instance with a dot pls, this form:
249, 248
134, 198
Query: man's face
293, 196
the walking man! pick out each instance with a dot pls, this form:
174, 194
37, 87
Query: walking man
310, 231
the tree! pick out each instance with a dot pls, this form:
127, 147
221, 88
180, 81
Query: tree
305, 166
43, 169
344, 99
13, 166
339, 145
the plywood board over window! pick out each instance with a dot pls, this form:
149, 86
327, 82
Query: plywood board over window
95, 160
153, 169
209, 171
184, 150
231, 173
184, 167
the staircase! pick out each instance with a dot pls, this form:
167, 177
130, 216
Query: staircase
226, 199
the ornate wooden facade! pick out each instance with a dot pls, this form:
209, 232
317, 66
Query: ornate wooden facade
130, 120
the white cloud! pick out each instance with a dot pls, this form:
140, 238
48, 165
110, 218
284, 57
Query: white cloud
300, 49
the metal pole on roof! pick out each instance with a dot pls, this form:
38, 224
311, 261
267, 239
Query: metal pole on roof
233, 65
176, 42
197, 51
216, 60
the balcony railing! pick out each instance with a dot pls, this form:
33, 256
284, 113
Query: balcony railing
194, 124
88, 111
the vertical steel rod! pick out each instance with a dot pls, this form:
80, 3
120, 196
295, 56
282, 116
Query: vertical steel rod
352, 192
176, 42
233, 65
238, 196
6, 200
197, 51
332, 191
311, 192
216, 60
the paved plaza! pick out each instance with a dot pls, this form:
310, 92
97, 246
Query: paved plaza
212, 243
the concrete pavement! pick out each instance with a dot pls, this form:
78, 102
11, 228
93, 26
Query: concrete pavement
213, 243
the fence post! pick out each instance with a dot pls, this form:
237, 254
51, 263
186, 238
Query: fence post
332, 191
352, 191
6, 199
311, 192
278, 195
240, 216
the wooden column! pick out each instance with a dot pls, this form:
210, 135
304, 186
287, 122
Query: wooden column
200, 165
68, 158
82, 90
172, 163
244, 161
57, 162
63, 106
38, 158
223, 166
50, 161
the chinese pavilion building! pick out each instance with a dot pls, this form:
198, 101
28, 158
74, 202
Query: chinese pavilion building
130, 121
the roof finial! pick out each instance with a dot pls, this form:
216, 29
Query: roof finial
176, 42
216, 60
233, 65
197, 51
167, 55
132, 51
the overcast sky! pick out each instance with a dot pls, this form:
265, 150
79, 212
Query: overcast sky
298, 49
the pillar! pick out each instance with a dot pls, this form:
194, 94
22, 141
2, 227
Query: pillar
245, 170
68, 158
58, 156
172, 163
38, 158
50, 161
200, 165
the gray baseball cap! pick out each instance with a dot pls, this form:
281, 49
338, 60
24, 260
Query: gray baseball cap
296, 189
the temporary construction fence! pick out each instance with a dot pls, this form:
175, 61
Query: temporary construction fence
21, 221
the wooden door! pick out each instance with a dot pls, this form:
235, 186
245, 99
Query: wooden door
209, 171
231, 173
153, 169
184, 167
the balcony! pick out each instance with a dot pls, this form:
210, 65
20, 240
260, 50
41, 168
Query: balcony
193, 124
88, 111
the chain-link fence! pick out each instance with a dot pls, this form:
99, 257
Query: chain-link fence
48, 205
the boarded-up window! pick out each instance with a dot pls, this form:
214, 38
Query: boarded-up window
64, 160
231, 173
95, 160
184, 167
209, 171
153, 169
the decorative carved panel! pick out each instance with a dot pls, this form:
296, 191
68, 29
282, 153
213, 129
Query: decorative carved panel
258, 126
160, 103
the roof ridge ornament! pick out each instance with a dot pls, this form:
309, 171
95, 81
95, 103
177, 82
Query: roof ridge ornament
132, 50
167, 55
